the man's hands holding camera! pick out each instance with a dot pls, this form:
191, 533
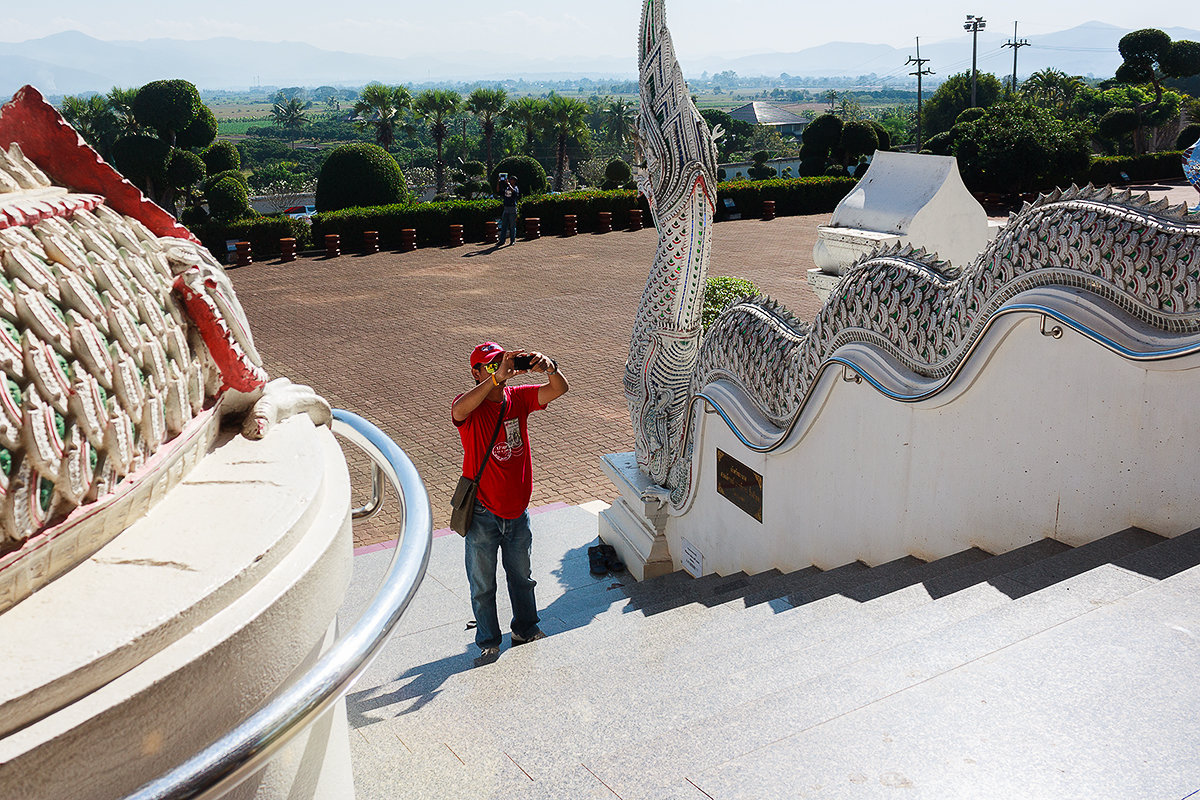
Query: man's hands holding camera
519, 362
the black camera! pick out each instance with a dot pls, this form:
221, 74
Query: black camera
522, 362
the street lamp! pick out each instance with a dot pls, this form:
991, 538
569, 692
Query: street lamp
974, 24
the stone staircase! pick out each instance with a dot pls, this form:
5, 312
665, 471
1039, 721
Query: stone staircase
1047, 671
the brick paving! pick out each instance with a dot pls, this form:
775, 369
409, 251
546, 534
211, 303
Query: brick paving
387, 336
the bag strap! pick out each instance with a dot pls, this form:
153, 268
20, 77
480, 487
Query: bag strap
496, 433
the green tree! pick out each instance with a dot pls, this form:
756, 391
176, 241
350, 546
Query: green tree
531, 177
168, 116
620, 121
289, 116
359, 175
529, 115
436, 106
1016, 147
1052, 89
940, 111
567, 118
616, 174
735, 133
167, 107
220, 156
858, 139
381, 109
1149, 57
487, 105
94, 120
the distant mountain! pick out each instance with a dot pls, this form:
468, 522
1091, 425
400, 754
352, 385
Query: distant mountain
1089, 48
73, 63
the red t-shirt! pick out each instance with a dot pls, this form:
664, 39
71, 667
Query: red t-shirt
507, 481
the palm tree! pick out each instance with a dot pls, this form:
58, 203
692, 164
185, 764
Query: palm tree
120, 101
567, 118
830, 95
290, 117
620, 121
487, 105
434, 106
529, 114
1051, 88
382, 109
94, 120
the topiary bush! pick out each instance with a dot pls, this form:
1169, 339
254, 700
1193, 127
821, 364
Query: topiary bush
213, 178
616, 174
227, 199
200, 131
531, 177
184, 169
359, 175
167, 106
141, 157
1188, 136
221, 156
722, 291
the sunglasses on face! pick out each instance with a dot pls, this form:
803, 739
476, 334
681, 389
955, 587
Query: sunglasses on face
490, 368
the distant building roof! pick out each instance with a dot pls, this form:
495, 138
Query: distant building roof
767, 114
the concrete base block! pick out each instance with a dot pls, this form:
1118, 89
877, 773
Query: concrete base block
636, 522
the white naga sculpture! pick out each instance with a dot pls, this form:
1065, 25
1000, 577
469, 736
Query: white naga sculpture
1143, 257
679, 181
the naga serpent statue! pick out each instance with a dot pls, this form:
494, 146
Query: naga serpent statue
113, 338
679, 181
925, 314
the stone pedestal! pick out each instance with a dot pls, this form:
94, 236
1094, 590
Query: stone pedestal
244, 255
635, 524
570, 227
635, 219
408, 240
370, 241
456, 236
333, 245
533, 227
603, 222
184, 625
287, 250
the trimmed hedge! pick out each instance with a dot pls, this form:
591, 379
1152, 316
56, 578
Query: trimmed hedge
263, 234
1151, 166
792, 196
432, 221
586, 206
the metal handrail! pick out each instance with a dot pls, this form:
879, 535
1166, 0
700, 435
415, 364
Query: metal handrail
235, 756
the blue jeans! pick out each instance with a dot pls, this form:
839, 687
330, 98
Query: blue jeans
508, 223
515, 541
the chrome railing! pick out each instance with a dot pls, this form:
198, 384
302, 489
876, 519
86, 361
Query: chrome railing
247, 748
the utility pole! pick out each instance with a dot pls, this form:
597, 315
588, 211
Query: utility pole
974, 24
1016, 44
920, 71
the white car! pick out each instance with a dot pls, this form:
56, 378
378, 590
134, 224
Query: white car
300, 212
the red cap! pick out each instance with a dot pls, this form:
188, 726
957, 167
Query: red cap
486, 353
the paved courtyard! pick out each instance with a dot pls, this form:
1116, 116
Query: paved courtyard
387, 336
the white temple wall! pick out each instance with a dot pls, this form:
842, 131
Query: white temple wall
1036, 437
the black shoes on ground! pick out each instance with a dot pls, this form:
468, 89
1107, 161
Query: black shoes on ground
602, 559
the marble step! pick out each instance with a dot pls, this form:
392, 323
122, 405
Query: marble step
644, 716
504, 718
655, 766
1063, 713
467, 724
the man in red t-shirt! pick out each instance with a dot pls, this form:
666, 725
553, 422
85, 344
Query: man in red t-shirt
501, 520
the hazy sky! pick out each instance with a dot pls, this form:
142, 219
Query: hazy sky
567, 27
